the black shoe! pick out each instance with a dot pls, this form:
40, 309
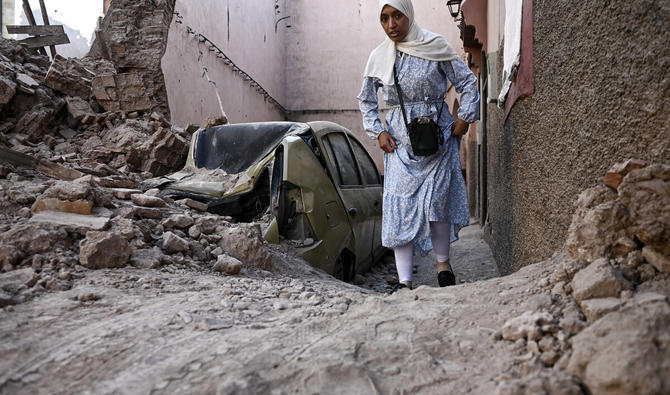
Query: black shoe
446, 278
398, 287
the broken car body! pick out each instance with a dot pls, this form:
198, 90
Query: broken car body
317, 180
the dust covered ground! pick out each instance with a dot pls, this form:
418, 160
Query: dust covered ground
295, 330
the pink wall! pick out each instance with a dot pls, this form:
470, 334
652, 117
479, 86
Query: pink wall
249, 40
316, 64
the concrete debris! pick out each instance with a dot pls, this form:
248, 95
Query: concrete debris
69, 219
79, 108
121, 92
103, 250
598, 280
617, 172
70, 77
227, 264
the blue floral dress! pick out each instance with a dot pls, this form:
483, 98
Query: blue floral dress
420, 189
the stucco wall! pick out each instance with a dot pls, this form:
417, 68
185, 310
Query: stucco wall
245, 31
602, 94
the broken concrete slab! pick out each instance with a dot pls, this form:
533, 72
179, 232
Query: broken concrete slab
70, 219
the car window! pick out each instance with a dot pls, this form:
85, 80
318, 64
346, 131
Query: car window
342, 159
368, 167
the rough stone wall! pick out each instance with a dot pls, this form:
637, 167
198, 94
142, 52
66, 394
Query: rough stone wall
601, 95
135, 36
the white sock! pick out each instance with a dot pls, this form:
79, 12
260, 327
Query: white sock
440, 235
403, 262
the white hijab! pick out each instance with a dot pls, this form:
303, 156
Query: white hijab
419, 42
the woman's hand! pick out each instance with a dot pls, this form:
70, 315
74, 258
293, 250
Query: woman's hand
386, 142
459, 128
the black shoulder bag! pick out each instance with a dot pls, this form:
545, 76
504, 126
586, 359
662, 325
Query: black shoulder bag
424, 133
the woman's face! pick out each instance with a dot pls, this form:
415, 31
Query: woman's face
395, 23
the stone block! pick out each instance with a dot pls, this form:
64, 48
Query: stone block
7, 90
659, 261
646, 194
595, 308
147, 201
598, 280
625, 352
245, 244
173, 243
70, 219
35, 124
104, 250
83, 207
227, 264
121, 92
70, 77
78, 107
180, 221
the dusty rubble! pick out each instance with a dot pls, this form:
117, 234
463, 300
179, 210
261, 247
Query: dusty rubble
142, 293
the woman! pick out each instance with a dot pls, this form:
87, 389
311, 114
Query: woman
425, 200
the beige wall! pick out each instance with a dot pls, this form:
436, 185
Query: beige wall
328, 47
249, 39
314, 68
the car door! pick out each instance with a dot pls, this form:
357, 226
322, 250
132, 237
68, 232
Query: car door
374, 189
361, 203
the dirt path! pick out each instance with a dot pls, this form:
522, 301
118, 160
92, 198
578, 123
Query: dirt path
294, 331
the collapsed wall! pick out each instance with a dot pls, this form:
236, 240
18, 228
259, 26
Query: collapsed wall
133, 36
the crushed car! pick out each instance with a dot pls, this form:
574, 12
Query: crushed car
316, 179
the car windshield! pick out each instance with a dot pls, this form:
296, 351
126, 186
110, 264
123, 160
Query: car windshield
234, 148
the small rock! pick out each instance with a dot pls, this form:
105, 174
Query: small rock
598, 280
173, 243
595, 308
194, 204
518, 328
659, 261
103, 250
180, 221
147, 201
227, 264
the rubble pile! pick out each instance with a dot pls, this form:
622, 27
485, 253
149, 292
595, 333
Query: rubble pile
604, 313
134, 37
94, 212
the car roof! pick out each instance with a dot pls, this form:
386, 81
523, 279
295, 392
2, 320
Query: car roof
236, 147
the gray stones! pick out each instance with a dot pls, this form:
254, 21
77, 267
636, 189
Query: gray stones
659, 261
595, 308
625, 352
646, 194
173, 243
245, 244
70, 77
598, 280
227, 264
104, 250
149, 258
180, 221
71, 220
528, 324
147, 201
78, 108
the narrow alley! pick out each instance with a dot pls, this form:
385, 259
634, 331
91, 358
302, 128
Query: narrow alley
191, 198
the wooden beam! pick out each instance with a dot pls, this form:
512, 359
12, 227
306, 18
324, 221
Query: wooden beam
44, 41
44, 166
36, 30
45, 18
31, 19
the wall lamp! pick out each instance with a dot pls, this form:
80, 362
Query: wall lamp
454, 7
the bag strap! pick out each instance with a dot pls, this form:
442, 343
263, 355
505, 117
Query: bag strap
402, 103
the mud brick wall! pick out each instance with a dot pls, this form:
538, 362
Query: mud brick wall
135, 36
